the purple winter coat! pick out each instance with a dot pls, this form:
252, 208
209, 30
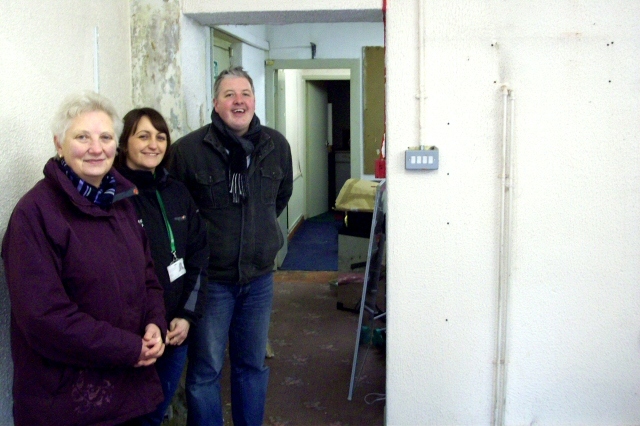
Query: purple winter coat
82, 288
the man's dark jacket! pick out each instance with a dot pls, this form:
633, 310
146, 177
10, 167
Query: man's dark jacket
244, 238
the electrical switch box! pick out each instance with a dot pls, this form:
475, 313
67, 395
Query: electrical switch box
422, 159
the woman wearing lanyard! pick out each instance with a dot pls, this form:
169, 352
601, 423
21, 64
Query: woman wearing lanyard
176, 233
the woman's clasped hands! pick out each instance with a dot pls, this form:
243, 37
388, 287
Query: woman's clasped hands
152, 346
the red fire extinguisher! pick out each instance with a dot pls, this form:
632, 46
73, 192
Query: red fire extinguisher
381, 164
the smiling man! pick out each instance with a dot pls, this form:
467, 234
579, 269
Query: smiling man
240, 175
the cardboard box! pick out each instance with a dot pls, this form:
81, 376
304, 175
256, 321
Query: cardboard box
349, 292
352, 253
357, 195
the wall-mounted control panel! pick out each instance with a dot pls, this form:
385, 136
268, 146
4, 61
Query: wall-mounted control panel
427, 158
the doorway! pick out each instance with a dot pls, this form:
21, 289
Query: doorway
327, 141
317, 76
221, 52
317, 148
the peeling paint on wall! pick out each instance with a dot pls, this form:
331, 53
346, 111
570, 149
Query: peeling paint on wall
155, 57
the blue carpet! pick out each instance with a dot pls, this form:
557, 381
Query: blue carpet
314, 246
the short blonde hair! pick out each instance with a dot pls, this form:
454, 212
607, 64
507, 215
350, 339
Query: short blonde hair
79, 103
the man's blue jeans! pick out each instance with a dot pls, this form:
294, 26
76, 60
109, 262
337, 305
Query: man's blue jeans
169, 367
239, 313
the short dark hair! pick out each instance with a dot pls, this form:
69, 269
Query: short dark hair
231, 72
131, 120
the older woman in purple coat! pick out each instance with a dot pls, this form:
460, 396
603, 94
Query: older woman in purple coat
87, 312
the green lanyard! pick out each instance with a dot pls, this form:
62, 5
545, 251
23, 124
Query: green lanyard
168, 225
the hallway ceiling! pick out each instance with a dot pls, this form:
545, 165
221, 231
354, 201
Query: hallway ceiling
287, 17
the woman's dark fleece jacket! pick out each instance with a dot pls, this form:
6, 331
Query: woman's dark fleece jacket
184, 297
82, 290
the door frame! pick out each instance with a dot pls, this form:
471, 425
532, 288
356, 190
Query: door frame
355, 94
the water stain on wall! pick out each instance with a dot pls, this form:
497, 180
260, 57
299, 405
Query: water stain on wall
155, 59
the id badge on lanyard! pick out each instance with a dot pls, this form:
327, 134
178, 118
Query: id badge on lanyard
176, 269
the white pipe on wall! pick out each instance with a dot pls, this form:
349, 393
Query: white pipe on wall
504, 271
422, 95
96, 61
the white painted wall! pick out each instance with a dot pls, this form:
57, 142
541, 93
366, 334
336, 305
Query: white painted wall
196, 73
254, 35
573, 351
294, 41
225, 6
47, 52
215, 12
297, 203
574, 320
252, 60
295, 116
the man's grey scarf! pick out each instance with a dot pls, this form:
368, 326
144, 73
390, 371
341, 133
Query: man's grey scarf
239, 147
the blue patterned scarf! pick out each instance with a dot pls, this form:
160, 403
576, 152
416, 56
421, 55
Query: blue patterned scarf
102, 196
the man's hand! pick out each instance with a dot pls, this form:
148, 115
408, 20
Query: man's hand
178, 331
